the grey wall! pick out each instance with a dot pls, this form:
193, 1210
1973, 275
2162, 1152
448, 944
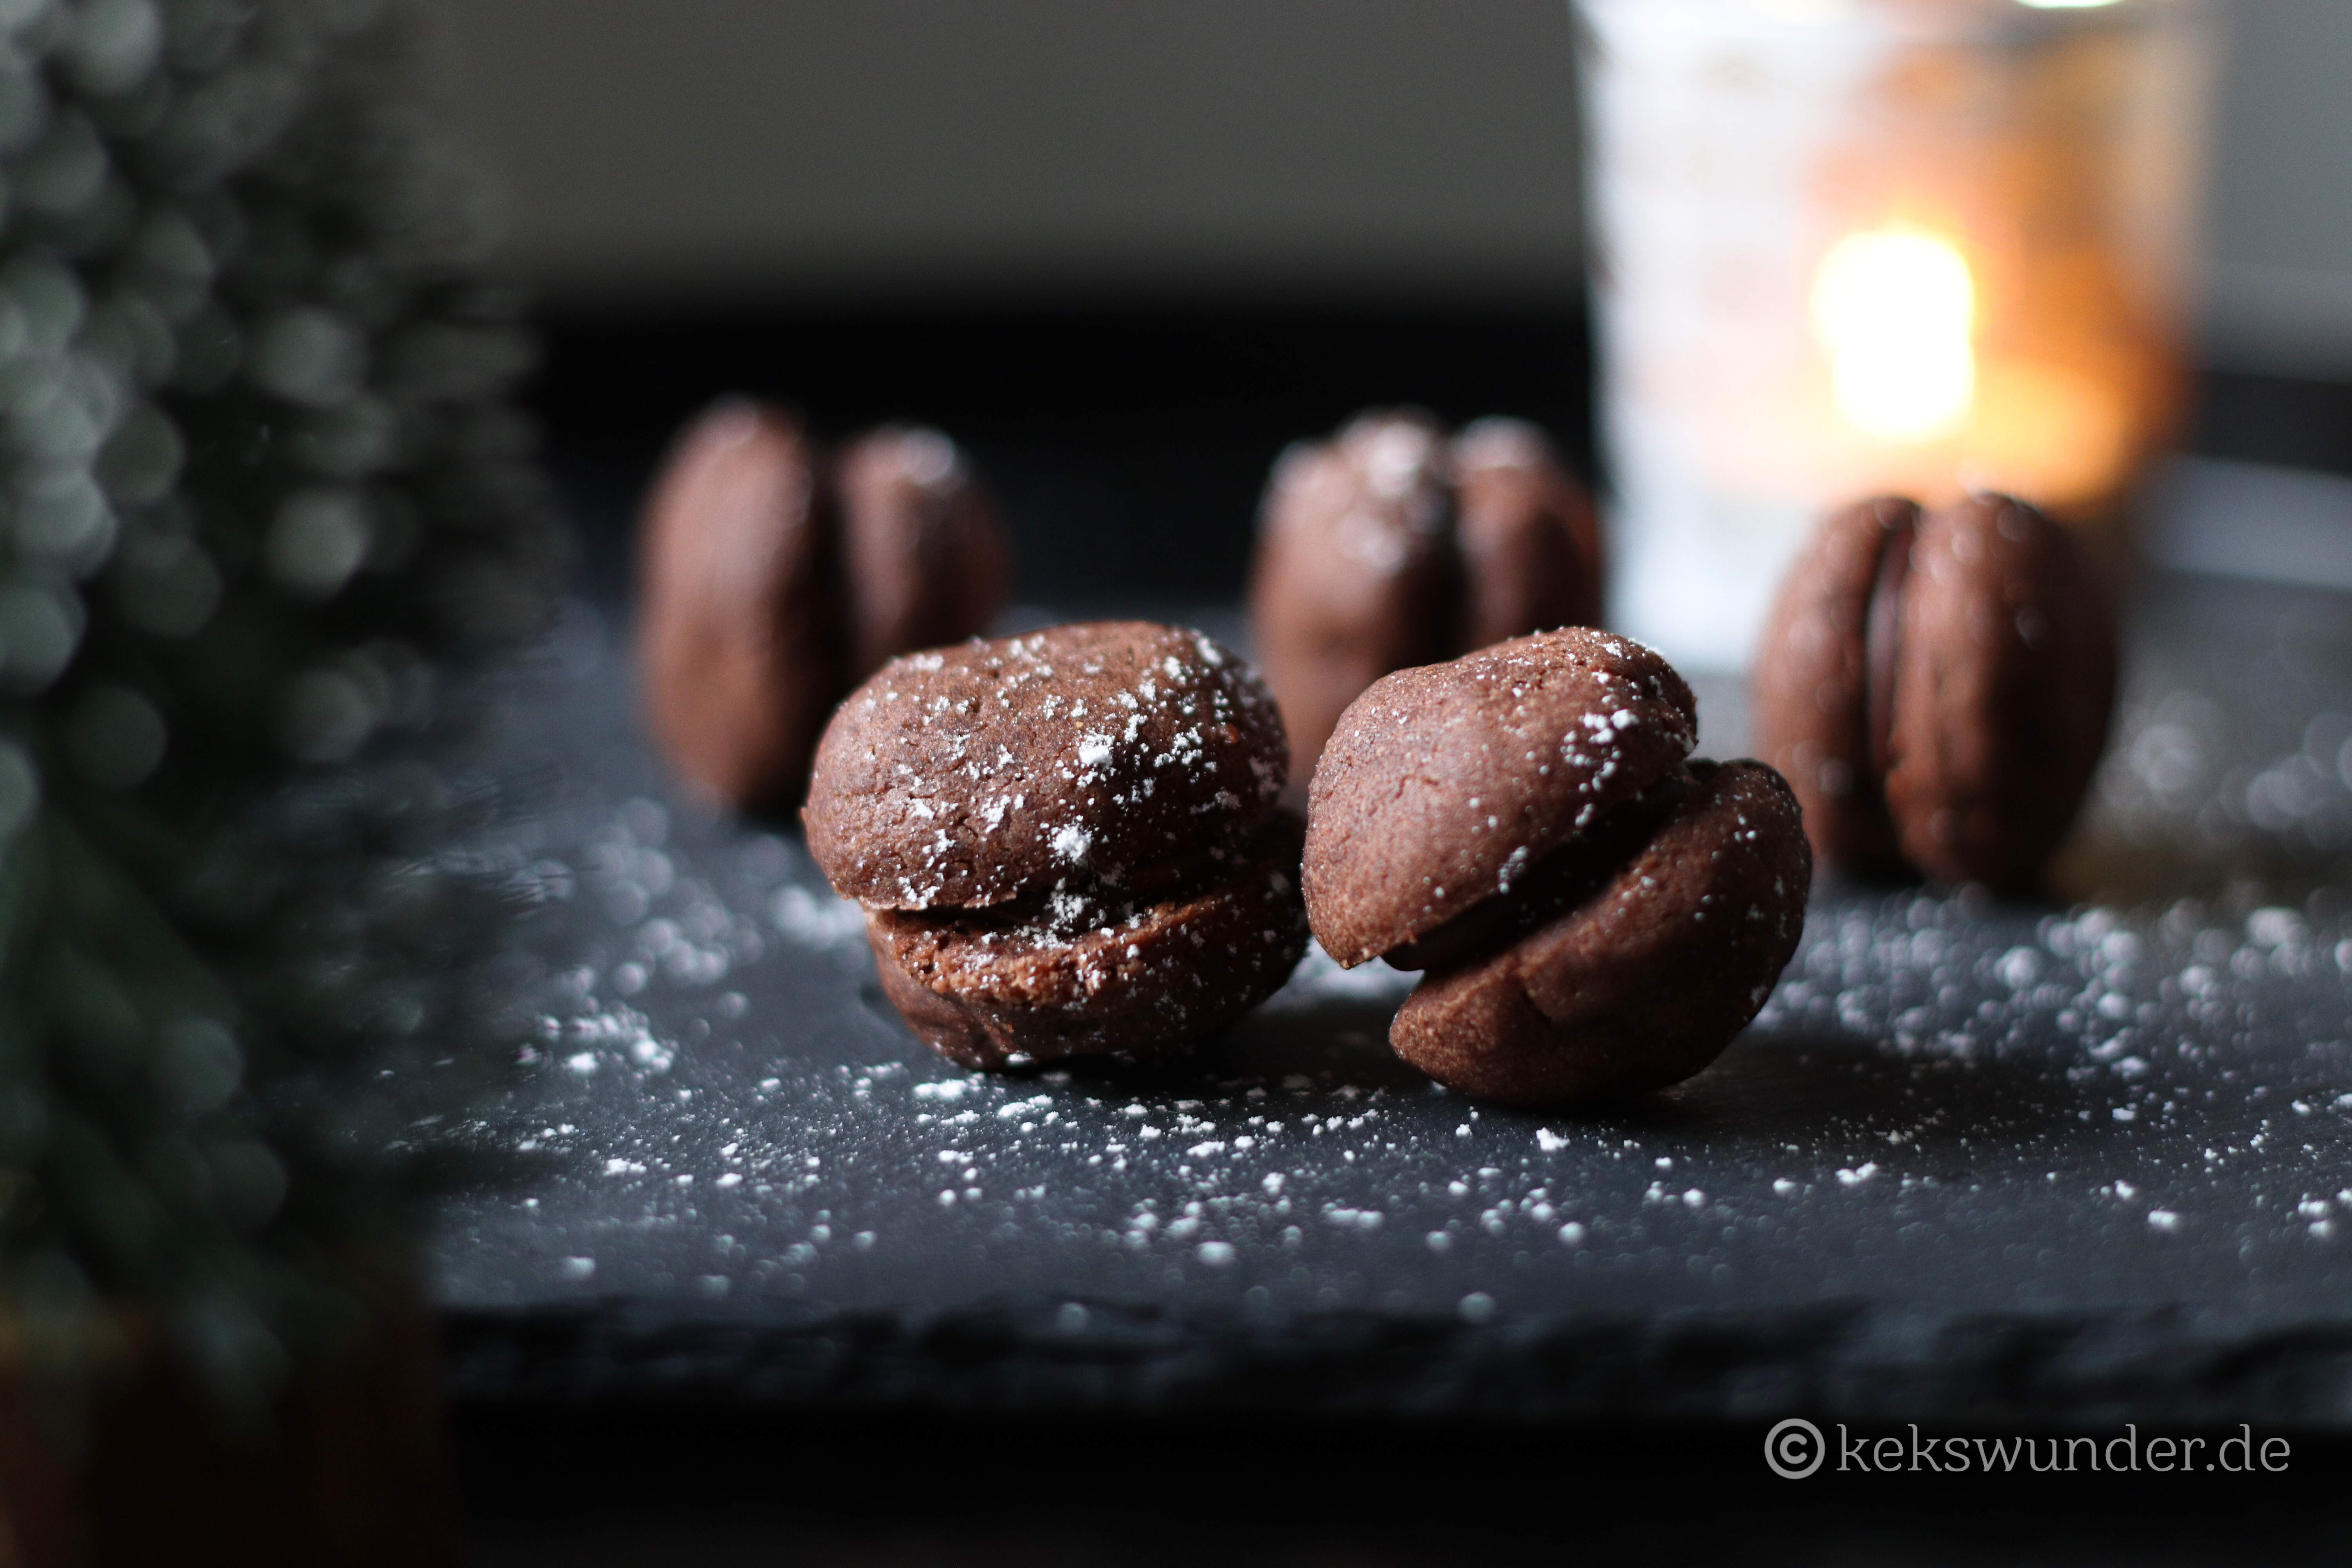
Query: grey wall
652, 148
741, 144
2281, 230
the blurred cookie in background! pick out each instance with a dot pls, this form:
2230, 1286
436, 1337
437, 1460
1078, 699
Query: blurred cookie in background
1938, 687
775, 575
1393, 544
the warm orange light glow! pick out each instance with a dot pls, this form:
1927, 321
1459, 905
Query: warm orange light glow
1897, 310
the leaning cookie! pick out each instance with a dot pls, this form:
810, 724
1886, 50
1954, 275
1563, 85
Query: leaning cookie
773, 576
1937, 687
1599, 916
1067, 844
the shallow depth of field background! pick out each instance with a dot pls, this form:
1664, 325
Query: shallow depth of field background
759, 152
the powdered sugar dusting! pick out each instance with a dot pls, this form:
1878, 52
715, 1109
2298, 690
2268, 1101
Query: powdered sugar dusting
1927, 1065
802, 1159
979, 775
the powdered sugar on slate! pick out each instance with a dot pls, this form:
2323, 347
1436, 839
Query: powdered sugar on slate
1971, 1056
1927, 1065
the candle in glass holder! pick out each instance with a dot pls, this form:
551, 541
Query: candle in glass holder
1851, 246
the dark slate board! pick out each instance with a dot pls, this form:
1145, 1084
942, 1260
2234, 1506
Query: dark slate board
1974, 1160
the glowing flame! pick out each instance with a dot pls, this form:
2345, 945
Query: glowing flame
1895, 310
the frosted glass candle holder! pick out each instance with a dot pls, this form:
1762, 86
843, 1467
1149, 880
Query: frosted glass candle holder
1850, 246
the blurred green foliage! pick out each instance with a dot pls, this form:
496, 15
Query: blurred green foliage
265, 513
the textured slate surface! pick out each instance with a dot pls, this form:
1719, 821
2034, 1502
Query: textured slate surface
2052, 1164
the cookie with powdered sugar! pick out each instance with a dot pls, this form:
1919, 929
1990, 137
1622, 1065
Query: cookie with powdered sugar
1067, 844
1355, 573
1449, 784
1597, 915
1111, 751
925, 555
1528, 535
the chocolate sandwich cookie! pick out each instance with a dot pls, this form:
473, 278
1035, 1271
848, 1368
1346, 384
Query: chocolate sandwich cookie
772, 577
1938, 687
1392, 545
1069, 843
1597, 915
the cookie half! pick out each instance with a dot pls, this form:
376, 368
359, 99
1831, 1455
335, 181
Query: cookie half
978, 774
1528, 535
1075, 975
739, 631
1357, 573
1444, 786
1643, 981
927, 556
1811, 699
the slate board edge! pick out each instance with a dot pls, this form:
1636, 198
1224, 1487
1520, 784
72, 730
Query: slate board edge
1051, 1357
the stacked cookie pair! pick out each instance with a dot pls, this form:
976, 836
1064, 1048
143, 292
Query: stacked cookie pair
1072, 844
1066, 844
1597, 914
1937, 686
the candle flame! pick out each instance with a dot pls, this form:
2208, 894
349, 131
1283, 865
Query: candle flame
1895, 310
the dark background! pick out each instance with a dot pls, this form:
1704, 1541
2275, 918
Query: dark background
1128, 444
